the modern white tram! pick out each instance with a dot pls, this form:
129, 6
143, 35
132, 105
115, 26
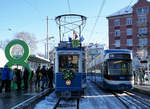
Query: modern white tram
116, 69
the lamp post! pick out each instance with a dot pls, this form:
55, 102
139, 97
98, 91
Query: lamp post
49, 38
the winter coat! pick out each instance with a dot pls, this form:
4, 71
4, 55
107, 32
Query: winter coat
44, 72
6, 74
26, 74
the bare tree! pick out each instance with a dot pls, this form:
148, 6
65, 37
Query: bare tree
4, 43
30, 39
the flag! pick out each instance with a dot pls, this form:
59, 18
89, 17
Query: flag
70, 39
75, 35
81, 39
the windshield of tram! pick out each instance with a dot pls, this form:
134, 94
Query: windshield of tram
119, 67
68, 62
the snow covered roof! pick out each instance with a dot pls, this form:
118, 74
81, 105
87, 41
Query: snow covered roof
38, 59
126, 10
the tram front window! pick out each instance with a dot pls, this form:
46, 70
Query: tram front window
119, 67
68, 62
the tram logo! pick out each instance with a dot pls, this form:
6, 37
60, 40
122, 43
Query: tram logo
75, 43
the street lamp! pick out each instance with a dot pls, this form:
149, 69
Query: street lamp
48, 38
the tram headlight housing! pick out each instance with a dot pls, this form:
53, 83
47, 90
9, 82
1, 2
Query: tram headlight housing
111, 56
68, 82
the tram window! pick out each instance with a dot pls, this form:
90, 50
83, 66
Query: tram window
68, 62
119, 67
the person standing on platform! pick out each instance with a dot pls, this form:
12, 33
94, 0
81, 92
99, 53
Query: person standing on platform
25, 78
18, 78
50, 77
6, 79
44, 77
37, 81
31, 79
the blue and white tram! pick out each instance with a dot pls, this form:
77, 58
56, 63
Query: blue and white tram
70, 72
117, 70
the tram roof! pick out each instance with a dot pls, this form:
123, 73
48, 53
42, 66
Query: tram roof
38, 59
117, 51
60, 48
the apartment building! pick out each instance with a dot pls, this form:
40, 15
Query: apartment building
129, 28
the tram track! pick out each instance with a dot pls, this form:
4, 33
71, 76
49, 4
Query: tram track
57, 103
143, 101
122, 101
59, 100
129, 100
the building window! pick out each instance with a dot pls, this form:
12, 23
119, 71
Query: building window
117, 32
129, 31
142, 19
117, 43
142, 30
142, 41
129, 42
129, 21
143, 10
117, 22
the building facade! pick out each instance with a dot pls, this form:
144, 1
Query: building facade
129, 28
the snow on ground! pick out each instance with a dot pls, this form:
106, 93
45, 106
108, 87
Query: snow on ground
68, 104
141, 96
134, 103
94, 98
147, 82
48, 102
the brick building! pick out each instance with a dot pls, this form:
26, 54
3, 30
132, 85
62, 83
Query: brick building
129, 28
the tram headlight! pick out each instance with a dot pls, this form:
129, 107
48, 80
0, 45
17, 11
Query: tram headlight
68, 82
111, 56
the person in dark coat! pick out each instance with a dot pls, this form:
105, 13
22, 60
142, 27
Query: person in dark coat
31, 79
25, 78
50, 77
6, 79
44, 77
18, 78
37, 81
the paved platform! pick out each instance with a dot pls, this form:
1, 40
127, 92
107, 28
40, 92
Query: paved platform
144, 89
14, 99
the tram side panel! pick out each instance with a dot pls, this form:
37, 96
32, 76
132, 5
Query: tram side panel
75, 85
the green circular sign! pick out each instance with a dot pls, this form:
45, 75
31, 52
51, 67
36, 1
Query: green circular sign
8, 50
20, 61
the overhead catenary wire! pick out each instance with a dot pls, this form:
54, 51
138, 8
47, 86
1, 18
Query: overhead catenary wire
69, 7
34, 8
129, 4
98, 16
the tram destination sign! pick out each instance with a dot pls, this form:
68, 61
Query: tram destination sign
120, 56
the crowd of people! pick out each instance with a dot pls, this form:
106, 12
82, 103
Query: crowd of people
139, 76
44, 75
40, 78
